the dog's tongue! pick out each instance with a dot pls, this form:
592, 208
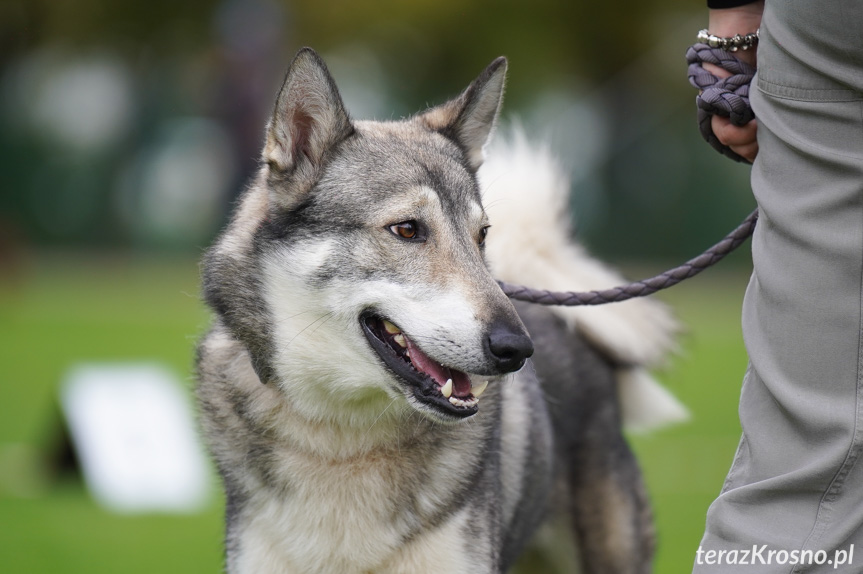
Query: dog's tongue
427, 365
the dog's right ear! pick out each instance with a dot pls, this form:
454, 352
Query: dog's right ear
308, 120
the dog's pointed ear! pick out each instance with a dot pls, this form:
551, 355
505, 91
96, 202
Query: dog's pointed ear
470, 118
309, 117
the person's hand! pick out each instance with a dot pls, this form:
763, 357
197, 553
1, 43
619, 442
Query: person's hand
741, 139
729, 22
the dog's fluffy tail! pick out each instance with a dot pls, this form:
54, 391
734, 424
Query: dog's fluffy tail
525, 192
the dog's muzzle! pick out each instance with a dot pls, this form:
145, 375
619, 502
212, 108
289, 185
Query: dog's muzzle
446, 390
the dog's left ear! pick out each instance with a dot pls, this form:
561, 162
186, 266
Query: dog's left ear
470, 118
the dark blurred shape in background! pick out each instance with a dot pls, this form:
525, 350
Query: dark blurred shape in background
133, 125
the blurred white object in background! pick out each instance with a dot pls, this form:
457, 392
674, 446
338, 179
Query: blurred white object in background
176, 188
134, 433
80, 101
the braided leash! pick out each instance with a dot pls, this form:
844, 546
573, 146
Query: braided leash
727, 97
639, 288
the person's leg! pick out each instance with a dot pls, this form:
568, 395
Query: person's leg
797, 482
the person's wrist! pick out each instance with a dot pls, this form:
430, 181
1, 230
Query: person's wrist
741, 20
728, 22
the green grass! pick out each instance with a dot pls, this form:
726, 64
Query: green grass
55, 312
685, 465
60, 310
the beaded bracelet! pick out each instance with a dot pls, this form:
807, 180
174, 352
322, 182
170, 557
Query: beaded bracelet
731, 44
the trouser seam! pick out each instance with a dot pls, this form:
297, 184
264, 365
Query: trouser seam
738, 454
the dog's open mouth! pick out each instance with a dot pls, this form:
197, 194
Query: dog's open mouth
443, 388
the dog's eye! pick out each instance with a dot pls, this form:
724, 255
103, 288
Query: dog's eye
405, 229
411, 230
482, 233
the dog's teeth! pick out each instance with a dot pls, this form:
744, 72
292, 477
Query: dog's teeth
446, 390
400, 339
390, 328
471, 402
478, 389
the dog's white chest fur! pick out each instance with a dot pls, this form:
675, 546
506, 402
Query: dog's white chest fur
348, 517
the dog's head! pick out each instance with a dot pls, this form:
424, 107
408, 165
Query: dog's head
354, 269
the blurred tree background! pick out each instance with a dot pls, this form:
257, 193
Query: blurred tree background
132, 125
127, 129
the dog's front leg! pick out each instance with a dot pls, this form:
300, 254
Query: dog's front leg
611, 513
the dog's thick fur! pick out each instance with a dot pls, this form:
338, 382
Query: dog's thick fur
360, 243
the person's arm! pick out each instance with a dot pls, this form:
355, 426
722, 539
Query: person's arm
728, 18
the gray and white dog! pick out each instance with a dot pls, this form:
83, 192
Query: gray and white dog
367, 389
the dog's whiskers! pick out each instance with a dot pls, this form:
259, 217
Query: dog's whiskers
380, 415
295, 315
322, 319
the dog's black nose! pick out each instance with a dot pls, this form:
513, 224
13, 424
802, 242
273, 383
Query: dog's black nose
508, 347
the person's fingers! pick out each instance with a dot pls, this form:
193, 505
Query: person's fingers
730, 135
748, 151
741, 139
715, 70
